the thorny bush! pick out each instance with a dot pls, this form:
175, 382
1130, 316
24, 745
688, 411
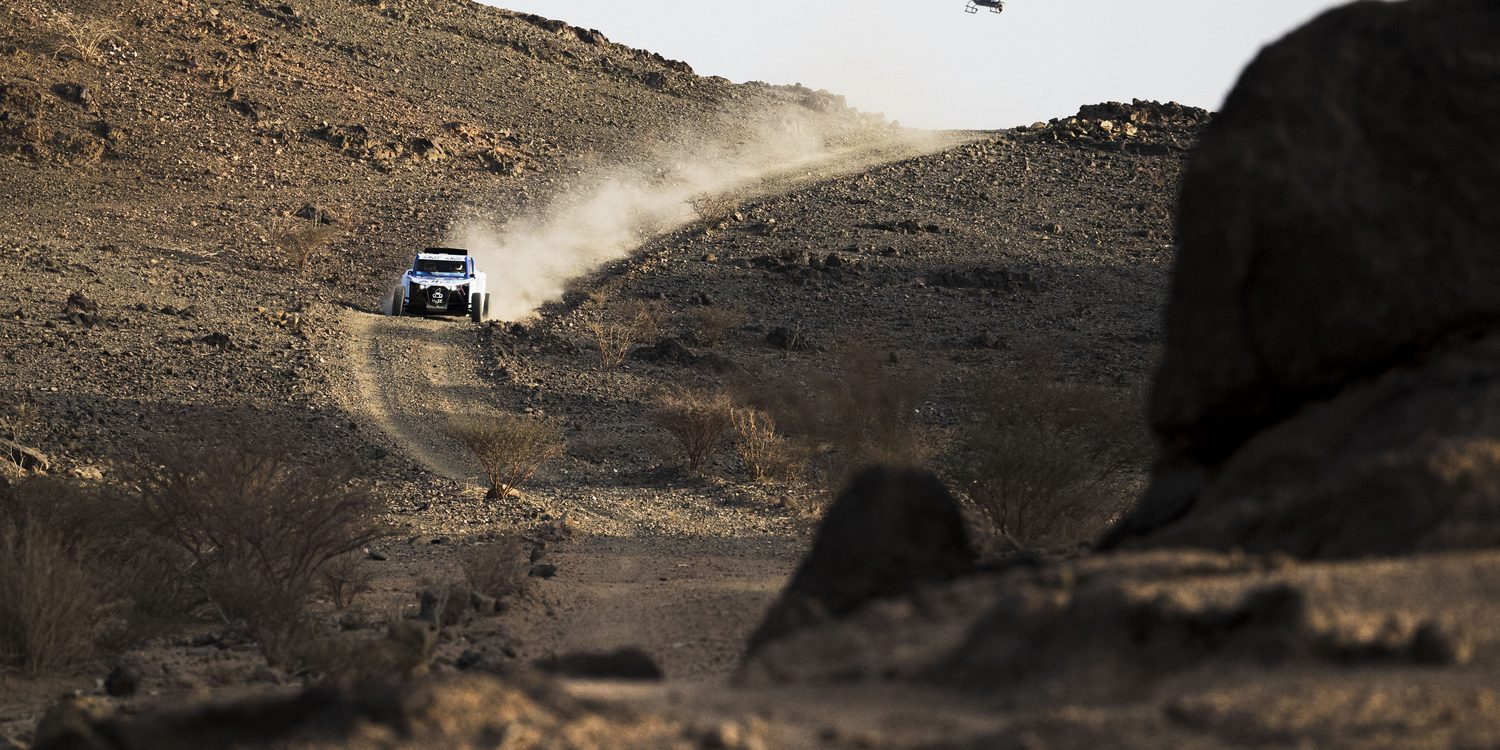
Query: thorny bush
257, 527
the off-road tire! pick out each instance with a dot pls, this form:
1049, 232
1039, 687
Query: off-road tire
476, 307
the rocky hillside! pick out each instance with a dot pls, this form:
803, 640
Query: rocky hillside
171, 166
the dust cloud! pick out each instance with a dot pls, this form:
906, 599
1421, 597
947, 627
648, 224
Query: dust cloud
611, 210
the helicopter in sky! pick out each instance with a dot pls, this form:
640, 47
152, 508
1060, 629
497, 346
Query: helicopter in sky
995, 6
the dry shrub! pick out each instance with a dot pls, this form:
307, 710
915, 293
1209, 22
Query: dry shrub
766, 454
698, 422
346, 577
302, 242
853, 412
18, 418
711, 325
509, 447
1050, 461
498, 569
51, 609
615, 333
712, 207
257, 527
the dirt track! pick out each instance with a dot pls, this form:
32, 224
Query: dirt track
682, 578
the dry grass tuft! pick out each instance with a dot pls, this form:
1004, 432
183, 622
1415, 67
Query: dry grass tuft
51, 606
712, 208
82, 37
509, 447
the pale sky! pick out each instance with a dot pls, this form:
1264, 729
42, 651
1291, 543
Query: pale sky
929, 64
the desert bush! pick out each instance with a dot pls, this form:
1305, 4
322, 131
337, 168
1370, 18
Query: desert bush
615, 333
51, 605
710, 325
698, 422
766, 454
63, 534
257, 527
1046, 461
510, 447
852, 412
712, 207
346, 577
302, 241
498, 569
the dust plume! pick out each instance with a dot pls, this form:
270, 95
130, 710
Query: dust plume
530, 258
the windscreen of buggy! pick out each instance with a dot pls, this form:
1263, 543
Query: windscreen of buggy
425, 265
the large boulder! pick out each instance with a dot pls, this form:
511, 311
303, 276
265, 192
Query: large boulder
1339, 232
890, 533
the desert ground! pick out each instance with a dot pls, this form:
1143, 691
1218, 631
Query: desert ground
1093, 432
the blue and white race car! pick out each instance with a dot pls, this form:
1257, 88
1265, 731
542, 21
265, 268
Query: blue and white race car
442, 281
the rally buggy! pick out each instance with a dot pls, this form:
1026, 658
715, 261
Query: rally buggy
441, 281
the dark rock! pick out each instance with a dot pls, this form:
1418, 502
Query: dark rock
219, 340
1388, 244
81, 310
666, 351
468, 659
1440, 645
542, 570
983, 278
891, 532
76, 93
622, 664
1365, 433
121, 682
319, 214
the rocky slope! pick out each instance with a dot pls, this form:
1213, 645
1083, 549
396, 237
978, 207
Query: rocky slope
1322, 392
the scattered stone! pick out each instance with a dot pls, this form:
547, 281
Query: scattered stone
903, 226
543, 570
1441, 645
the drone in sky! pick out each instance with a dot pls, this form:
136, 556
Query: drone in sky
995, 6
